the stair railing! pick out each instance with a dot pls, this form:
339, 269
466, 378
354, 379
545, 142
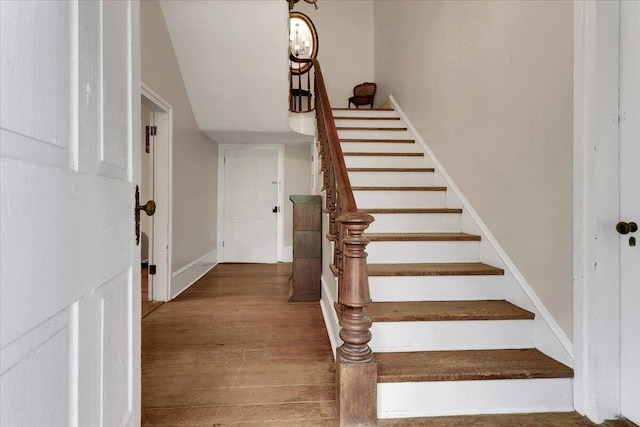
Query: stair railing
300, 85
356, 369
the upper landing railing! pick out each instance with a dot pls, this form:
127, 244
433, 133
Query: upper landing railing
300, 90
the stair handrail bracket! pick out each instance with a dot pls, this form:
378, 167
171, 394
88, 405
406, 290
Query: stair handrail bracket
356, 382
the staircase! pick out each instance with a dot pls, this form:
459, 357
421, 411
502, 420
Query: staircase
445, 338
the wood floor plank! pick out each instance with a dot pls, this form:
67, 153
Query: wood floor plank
208, 416
569, 419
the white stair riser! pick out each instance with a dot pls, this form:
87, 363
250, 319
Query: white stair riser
451, 335
402, 400
434, 251
415, 223
369, 123
405, 199
386, 161
364, 112
380, 147
378, 134
435, 288
395, 179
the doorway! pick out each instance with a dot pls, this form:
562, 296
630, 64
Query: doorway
156, 184
250, 217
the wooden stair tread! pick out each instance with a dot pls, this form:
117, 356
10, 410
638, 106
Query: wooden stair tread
386, 188
385, 141
433, 311
364, 118
356, 109
411, 210
394, 154
370, 128
434, 269
420, 237
468, 365
426, 170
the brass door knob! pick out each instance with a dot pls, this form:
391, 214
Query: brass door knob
626, 227
149, 208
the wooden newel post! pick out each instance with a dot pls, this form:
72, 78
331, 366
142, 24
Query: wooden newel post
356, 368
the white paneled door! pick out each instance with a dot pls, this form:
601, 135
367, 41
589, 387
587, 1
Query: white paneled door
630, 208
70, 278
250, 204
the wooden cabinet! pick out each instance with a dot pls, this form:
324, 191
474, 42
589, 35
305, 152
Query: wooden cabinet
307, 248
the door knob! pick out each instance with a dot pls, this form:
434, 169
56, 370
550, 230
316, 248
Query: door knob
626, 227
149, 208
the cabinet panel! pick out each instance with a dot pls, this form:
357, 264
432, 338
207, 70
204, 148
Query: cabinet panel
307, 248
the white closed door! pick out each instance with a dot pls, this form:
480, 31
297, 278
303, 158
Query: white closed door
70, 270
630, 208
250, 205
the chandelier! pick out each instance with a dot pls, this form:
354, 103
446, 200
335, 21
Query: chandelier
293, 2
298, 44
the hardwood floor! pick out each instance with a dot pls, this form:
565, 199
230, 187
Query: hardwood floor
232, 351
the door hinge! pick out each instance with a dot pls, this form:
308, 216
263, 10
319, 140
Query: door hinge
152, 269
223, 244
153, 130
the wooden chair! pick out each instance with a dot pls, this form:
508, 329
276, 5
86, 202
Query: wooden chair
363, 95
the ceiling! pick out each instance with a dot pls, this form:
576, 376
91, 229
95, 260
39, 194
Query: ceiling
233, 59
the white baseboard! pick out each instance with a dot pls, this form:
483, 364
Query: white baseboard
192, 272
287, 255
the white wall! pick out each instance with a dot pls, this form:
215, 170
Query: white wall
297, 180
195, 156
345, 47
488, 84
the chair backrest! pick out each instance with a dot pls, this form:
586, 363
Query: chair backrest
365, 89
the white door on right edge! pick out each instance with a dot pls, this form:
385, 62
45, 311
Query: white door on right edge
630, 208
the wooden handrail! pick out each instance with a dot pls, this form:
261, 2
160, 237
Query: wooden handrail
337, 158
